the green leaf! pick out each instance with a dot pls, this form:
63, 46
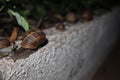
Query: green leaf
20, 19
2, 7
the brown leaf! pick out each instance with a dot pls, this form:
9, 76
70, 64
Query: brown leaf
13, 35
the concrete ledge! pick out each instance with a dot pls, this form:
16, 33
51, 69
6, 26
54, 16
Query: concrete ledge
71, 55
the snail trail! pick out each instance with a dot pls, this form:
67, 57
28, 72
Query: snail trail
23, 53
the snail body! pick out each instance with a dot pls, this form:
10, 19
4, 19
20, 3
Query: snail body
33, 39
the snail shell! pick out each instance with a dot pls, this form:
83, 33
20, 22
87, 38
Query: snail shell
60, 26
59, 17
33, 39
4, 42
71, 17
87, 15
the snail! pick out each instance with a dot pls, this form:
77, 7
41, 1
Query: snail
60, 26
5, 43
33, 39
59, 17
71, 17
87, 15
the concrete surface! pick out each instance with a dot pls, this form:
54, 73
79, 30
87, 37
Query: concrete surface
74, 54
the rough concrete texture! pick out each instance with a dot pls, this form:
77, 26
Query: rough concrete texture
70, 55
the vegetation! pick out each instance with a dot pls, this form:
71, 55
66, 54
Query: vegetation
35, 9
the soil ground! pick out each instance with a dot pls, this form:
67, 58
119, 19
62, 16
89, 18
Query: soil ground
110, 70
